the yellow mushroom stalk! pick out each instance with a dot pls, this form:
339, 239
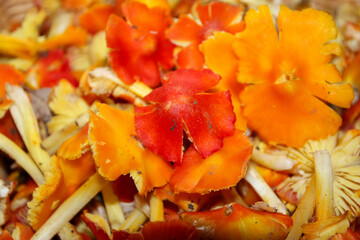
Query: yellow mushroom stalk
324, 186
27, 125
134, 221
113, 208
20, 157
304, 212
326, 225
156, 209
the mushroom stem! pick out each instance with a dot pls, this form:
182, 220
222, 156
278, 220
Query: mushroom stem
52, 143
133, 222
25, 121
324, 185
156, 209
21, 158
277, 162
70, 207
138, 88
303, 212
231, 195
113, 208
263, 189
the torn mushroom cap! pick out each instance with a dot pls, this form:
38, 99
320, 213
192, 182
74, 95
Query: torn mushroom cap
237, 222
76, 145
139, 43
66, 105
182, 104
61, 180
117, 151
346, 170
223, 169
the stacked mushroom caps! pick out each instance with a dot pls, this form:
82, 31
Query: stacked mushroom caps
183, 144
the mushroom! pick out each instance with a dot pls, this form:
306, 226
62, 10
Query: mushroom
235, 221
198, 175
345, 162
125, 154
181, 104
136, 42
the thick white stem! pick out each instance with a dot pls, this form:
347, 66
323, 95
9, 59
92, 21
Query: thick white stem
263, 189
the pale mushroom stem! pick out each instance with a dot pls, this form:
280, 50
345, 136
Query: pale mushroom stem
113, 208
231, 195
303, 212
26, 123
263, 189
324, 185
134, 221
140, 89
272, 161
70, 207
156, 209
20, 157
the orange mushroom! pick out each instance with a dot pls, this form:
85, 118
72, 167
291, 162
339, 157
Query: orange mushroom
290, 74
235, 221
181, 104
218, 50
198, 175
117, 151
139, 46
